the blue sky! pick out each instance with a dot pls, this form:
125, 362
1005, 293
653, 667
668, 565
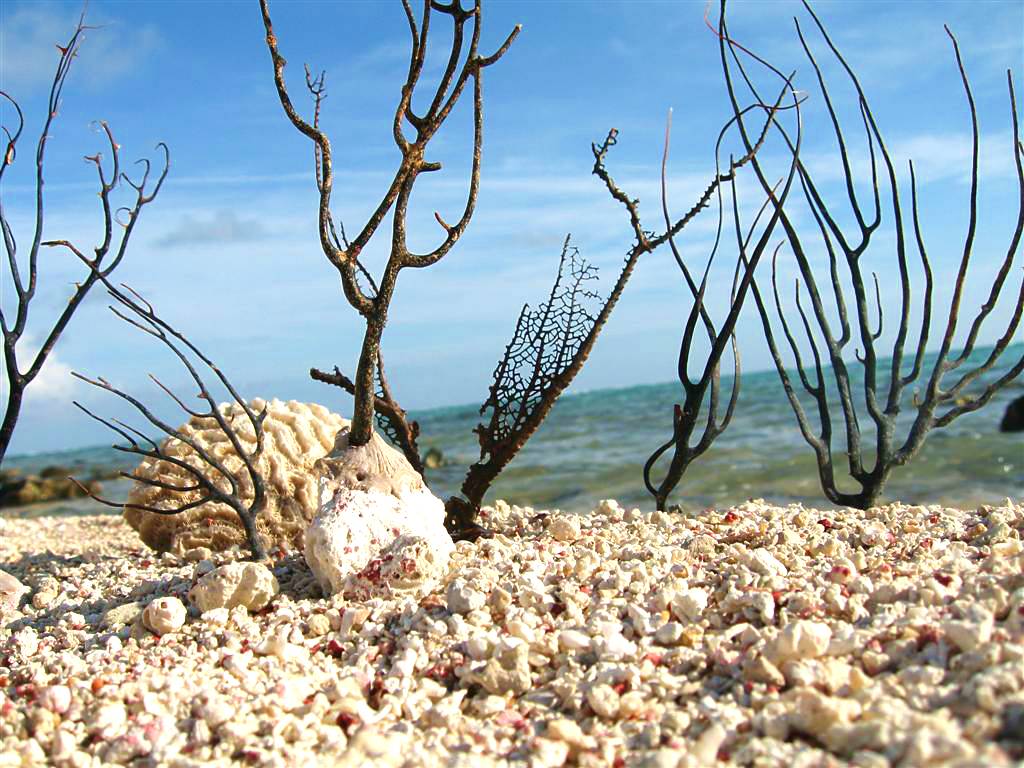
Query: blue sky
229, 251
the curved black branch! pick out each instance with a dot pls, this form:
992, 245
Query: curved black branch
24, 276
203, 468
884, 402
702, 393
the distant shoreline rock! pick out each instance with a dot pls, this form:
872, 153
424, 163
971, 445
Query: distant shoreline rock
53, 483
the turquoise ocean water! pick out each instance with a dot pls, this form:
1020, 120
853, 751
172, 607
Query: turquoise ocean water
594, 444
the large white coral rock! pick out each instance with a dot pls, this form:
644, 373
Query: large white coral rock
295, 436
379, 529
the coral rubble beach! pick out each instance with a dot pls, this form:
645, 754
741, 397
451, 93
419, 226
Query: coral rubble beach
757, 635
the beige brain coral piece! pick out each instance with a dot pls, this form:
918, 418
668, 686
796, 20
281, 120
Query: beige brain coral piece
296, 435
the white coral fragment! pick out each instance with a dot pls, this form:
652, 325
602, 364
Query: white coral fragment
249, 585
379, 529
164, 615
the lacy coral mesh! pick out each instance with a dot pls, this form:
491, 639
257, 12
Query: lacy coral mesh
543, 347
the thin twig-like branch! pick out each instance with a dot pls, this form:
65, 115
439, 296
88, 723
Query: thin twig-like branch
701, 394
344, 253
884, 402
707, 385
208, 474
107, 255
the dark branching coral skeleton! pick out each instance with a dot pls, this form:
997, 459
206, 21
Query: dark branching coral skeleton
344, 253
883, 391
25, 283
549, 345
706, 387
210, 480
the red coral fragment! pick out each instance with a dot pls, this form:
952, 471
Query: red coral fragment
334, 648
510, 717
25, 691
927, 636
346, 721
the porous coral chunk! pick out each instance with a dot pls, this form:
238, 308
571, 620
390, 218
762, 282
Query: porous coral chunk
379, 529
296, 436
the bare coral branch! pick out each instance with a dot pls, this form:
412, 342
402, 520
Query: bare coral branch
24, 280
884, 403
344, 254
702, 393
205, 469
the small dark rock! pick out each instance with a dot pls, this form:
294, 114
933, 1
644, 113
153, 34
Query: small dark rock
11, 482
1013, 727
1013, 419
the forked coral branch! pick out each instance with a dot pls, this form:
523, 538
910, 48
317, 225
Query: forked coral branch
214, 481
344, 253
884, 391
106, 256
702, 394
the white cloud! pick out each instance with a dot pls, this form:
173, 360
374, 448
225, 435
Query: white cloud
224, 226
31, 33
54, 381
936, 156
